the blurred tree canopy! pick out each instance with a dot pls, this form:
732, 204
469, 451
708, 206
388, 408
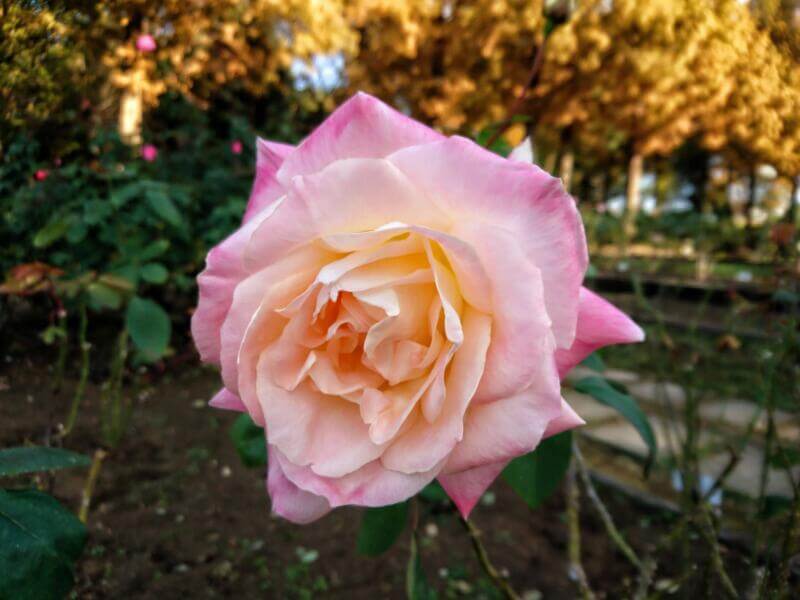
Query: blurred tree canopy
615, 82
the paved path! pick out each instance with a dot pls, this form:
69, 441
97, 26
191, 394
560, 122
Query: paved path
724, 424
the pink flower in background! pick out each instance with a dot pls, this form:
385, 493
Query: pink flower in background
41, 174
145, 43
398, 307
149, 152
236, 146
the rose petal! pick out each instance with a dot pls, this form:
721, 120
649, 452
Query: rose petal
371, 485
509, 427
265, 290
340, 198
224, 270
426, 443
362, 127
266, 188
568, 419
289, 501
599, 324
226, 400
470, 183
466, 487
522, 340
323, 432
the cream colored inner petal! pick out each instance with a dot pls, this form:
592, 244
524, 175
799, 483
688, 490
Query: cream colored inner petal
378, 328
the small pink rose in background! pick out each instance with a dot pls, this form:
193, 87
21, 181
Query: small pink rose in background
236, 146
145, 43
57, 161
397, 307
149, 152
41, 174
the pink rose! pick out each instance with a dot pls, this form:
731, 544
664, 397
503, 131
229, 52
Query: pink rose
236, 146
145, 43
41, 174
398, 307
149, 152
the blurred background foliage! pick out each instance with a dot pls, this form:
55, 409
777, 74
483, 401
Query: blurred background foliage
127, 127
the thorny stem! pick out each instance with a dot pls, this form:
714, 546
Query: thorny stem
574, 535
500, 582
115, 416
791, 545
91, 480
706, 529
605, 516
80, 390
63, 348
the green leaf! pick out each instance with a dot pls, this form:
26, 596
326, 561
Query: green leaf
536, 475
248, 438
417, 587
594, 362
31, 459
164, 207
121, 195
51, 233
154, 273
154, 250
433, 492
39, 542
381, 527
149, 326
103, 296
605, 393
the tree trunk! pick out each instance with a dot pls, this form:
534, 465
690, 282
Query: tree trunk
634, 200
751, 195
550, 162
566, 168
793, 211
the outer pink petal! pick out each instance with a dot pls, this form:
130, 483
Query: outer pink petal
599, 324
568, 419
522, 340
509, 427
226, 400
371, 485
470, 183
216, 283
289, 501
466, 487
351, 195
362, 127
266, 188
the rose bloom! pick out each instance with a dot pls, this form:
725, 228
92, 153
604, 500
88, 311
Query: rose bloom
149, 152
41, 174
236, 146
145, 43
398, 307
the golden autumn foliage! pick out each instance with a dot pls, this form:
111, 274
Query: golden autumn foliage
619, 78
456, 65
205, 44
34, 71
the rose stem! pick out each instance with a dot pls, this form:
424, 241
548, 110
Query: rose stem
500, 582
88, 488
574, 535
645, 568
